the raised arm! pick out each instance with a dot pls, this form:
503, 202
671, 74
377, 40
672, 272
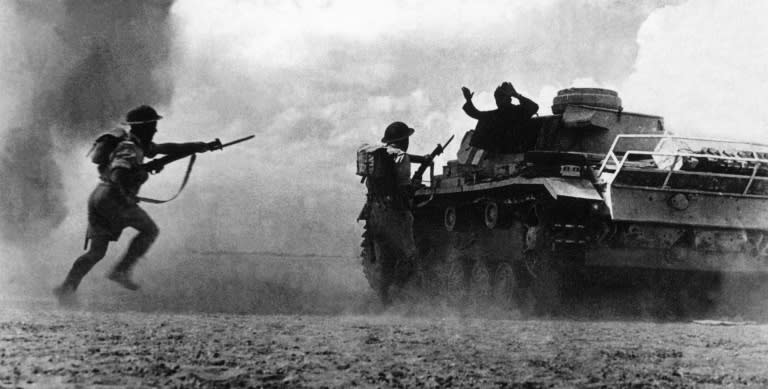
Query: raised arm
468, 106
528, 106
418, 158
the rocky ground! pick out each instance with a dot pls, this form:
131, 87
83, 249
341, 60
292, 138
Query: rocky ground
324, 330
47, 347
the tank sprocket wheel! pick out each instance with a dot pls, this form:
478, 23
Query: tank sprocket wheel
504, 285
479, 283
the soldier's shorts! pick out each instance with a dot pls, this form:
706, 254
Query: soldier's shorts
109, 212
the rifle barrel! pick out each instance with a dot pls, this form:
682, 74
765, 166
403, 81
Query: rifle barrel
448, 141
238, 141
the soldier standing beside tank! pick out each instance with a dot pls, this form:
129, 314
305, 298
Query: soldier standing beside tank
498, 131
113, 205
390, 219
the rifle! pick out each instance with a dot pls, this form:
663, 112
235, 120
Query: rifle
157, 164
424, 165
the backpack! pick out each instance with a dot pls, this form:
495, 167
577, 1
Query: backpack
371, 161
376, 165
105, 145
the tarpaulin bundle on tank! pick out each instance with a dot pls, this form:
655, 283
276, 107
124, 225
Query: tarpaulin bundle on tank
727, 166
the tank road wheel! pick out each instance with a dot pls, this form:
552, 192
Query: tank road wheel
504, 286
491, 214
546, 285
450, 218
546, 279
459, 218
426, 278
496, 215
452, 281
479, 283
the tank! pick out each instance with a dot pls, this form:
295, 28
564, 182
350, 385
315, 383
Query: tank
603, 197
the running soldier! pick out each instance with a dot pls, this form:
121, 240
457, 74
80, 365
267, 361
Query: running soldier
113, 205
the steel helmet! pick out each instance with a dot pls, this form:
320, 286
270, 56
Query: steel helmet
397, 131
142, 114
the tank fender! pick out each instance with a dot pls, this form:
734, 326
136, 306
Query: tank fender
571, 187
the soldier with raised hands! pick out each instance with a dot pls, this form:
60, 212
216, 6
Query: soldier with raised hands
497, 130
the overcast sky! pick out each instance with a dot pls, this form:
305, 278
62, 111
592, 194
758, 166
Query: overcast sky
315, 79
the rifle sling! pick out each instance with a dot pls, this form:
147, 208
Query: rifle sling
183, 184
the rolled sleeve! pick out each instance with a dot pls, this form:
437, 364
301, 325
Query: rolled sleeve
126, 156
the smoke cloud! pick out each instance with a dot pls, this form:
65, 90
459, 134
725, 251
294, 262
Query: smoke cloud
70, 70
701, 65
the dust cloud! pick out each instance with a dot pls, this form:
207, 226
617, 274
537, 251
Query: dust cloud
313, 81
71, 68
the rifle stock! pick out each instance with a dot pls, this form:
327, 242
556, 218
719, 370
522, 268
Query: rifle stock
157, 164
416, 179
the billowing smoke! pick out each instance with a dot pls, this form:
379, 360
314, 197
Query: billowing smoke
71, 69
702, 65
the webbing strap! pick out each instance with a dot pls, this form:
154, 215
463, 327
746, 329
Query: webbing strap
183, 184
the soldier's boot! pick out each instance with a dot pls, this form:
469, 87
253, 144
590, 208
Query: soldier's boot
121, 273
65, 294
124, 279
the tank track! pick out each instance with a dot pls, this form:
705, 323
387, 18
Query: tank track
373, 268
464, 268
475, 267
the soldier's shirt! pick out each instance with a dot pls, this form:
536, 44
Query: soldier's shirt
129, 155
499, 130
109, 209
402, 165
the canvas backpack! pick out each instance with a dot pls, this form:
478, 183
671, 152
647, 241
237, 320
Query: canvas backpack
105, 145
372, 161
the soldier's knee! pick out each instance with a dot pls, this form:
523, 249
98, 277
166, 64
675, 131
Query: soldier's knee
152, 231
97, 249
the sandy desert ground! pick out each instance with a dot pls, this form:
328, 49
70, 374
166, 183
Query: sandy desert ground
284, 328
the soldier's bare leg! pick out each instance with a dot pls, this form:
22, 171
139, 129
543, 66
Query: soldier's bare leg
148, 232
384, 255
81, 267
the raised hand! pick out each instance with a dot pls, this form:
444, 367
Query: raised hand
509, 89
467, 93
